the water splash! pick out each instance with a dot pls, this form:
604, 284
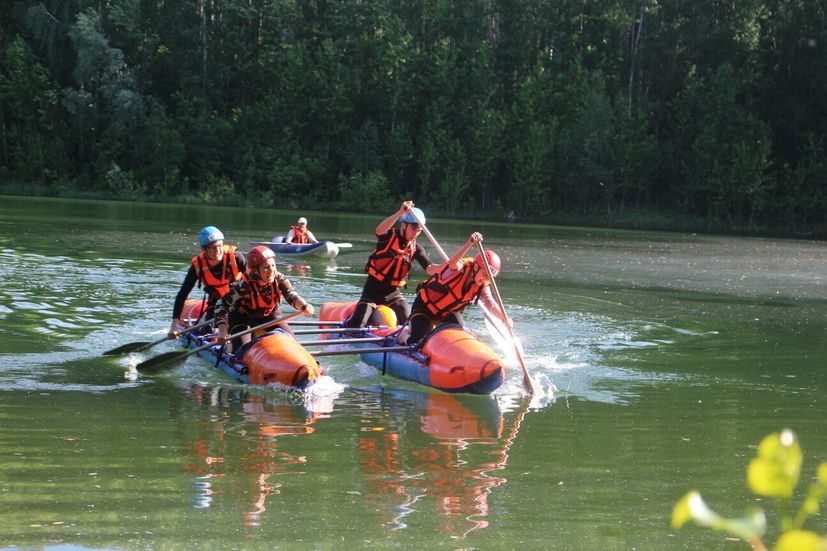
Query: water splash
320, 396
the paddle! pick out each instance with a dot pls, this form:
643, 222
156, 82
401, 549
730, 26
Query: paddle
517, 352
339, 330
361, 351
493, 322
143, 345
488, 315
343, 341
153, 365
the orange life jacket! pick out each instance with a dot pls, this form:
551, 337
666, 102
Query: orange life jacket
217, 287
258, 306
445, 294
299, 235
392, 263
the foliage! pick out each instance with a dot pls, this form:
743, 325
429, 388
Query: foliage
31, 146
709, 111
360, 192
773, 473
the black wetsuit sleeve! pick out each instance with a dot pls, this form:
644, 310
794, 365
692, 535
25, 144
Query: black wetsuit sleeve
241, 261
382, 240
189, 282
230, 302
422, 257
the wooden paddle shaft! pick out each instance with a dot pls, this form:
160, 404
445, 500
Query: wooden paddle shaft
526, 379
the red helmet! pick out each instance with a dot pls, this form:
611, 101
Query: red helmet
258, 255
493, 261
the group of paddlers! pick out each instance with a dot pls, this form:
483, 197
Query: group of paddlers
246, 292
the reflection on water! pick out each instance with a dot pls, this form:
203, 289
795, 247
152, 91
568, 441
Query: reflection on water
436, 448
418, 454
244, 446
671, 355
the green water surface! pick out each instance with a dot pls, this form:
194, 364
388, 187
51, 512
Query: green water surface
660, 361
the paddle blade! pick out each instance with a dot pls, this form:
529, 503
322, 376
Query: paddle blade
161, 362
127, 348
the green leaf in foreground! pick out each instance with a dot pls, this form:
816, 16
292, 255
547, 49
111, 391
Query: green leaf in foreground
775, 472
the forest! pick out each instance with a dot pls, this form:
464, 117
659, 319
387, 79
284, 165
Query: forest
708, 115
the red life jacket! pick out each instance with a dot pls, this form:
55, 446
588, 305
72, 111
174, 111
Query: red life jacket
392, 263
257, 306
445, 294
217, 287
299, 235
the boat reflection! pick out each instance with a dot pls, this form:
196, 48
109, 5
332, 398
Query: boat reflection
434, 447
246, 427
295, 268
434, 455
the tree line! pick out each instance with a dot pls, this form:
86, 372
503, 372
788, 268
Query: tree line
713, 112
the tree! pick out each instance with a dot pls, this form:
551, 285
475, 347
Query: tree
722, 152
32, 143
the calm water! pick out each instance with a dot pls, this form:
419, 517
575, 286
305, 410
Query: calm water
660, 361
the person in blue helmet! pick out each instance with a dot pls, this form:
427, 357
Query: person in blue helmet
389, 265
214, 269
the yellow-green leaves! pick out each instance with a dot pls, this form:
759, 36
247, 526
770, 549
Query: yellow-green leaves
815, 494
775, 472
800, 540
692, 507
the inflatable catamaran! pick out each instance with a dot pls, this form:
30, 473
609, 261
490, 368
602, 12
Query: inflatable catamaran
450, 358
274, 357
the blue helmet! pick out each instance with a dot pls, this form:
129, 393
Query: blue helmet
210, 234
409, 216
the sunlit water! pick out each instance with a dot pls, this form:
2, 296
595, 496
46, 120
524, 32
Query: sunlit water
659, 362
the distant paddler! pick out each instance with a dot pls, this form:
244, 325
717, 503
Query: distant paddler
214, 269
257, 299
300, 234
390, 264
458, 282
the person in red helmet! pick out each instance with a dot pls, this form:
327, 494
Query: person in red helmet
257, 299
458, 282
214, 269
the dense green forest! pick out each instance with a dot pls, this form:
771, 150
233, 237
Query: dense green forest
710, 113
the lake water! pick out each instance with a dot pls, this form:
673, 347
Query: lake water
660, 360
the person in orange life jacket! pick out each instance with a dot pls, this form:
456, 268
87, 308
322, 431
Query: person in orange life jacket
389, 265
458, 282
299, 233
257, 298
214, 268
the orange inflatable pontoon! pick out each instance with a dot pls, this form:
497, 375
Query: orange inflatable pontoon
275, 357
450, 358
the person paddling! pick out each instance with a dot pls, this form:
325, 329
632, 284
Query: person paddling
457, 282
389, 265
257, 298
299, 234
214, 268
